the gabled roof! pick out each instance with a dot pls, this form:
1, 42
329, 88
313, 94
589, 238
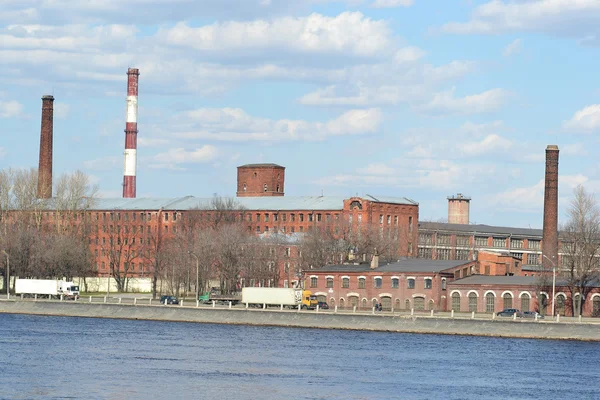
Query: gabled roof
481, 229
407, 265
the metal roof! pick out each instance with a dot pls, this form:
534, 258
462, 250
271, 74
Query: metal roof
275, 203
481, 229
404, 265
497, 280
264, 165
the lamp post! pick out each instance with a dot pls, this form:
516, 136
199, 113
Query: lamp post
107, 274
553, 281
7, 275
197, 276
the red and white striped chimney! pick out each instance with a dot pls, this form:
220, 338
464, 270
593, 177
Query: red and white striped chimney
131, 134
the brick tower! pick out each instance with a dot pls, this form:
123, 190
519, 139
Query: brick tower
550, 228
260, 180
44, 189
458, 209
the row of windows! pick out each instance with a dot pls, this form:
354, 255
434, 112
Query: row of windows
309, 217
490, 302
444, 254
480, 241
377, 283
418, 303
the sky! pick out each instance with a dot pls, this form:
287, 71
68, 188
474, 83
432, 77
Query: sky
421, 99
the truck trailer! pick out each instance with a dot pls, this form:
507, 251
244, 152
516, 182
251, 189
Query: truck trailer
53, 288
288, 297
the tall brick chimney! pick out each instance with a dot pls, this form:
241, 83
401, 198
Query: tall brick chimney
550, 233
44, 190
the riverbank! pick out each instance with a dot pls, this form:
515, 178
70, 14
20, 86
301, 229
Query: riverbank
310, 319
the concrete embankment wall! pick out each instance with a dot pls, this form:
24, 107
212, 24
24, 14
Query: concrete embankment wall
311, 319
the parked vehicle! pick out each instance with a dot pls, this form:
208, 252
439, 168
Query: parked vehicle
53, 288
169, 300
323, 305
509, 312
532, 314
288, 297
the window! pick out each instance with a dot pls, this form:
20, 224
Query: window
487, 270
411, 283
560, 304
378, 282
524, 302
389, 219
410, 224
329, 282
481, 241
265, 187
310, 218
456, 302
425, 253
462, 254
425, 238
395, 283
443, 254
345, 283
596, 307
257, 217
534, 244
462, 240
443, 239
507, 300
166, 216
443, 283
258, 229
301, 216
284, 217
395, 220
533, 259
361, 283
313, 282
318, 217
427, 283
472, 302
381, 218
499, 242
517, 255
516, 243
288, 251
490, 302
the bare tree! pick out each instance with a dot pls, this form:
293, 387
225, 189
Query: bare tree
121, 250
581, 247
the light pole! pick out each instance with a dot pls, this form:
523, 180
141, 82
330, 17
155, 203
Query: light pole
107, 274
553, 281
7, 275
197, 276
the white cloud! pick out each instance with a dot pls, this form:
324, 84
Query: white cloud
514, 48
10, 109
61, 110
491, 143
571, 18
348, 33
234, 124
585, 120
446, 103
173, 157
391, 3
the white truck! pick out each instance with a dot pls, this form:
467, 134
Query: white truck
53, 288
288, 297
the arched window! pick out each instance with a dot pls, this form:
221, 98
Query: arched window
332, 302
490, 302
342, 303
353, 301
472, 302
364, 303
596, 307
346, 283
428, 283
560, 304
395, 283
508, 300
278, 188
577, 305
322, 298
361, 283
456, 302
244, 187
378, 283
524, 302
397, 304
419, 303
329, 282
407, 304
431, 305
411, 283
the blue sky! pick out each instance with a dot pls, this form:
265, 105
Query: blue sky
414, 98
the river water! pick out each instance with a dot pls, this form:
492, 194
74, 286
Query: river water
84, 358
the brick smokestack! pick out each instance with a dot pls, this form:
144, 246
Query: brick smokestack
129, 184
44, 190
550, 233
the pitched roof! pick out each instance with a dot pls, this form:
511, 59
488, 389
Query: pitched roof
481, 229
496, 280
418, 265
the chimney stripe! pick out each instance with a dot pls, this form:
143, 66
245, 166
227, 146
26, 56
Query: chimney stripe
130, 162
